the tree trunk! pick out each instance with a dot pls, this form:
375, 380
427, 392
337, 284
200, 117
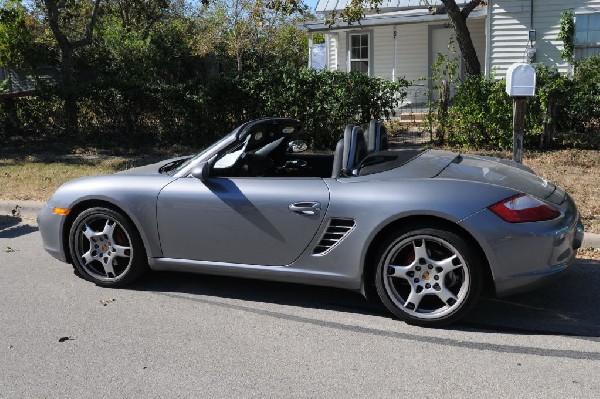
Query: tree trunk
67, 47
239, 58
70, 108
14, 124
463, 36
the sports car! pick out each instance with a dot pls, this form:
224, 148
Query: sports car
426, 232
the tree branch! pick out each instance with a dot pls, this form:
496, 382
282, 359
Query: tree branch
470, 7
53, 13
89, 32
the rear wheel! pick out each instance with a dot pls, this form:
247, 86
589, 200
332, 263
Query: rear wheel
106, 248
428, 277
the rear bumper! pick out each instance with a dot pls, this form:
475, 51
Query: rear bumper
526, 256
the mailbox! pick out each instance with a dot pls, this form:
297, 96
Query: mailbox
520, 80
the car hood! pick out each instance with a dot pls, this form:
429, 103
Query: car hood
503, 173
153, 169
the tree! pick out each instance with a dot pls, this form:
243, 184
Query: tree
463, 36
139, 15
60, 18
252, 33
16, 40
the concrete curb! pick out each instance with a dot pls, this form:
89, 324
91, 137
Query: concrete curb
25, 209
30, 209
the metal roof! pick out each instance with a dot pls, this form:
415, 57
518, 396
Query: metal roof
399, 17
324, 6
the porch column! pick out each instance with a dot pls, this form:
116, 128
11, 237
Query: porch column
394, 63
310, 49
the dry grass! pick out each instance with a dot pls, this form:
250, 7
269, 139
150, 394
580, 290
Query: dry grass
37, 177
578, 172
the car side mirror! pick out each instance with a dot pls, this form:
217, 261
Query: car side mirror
202, 172
297, 146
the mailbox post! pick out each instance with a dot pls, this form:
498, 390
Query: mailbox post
520, 84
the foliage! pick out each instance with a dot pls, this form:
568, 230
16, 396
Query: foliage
566, 33
581, 123
252, 34
481, 114
16, 40
326, 101
198, 111
564, 113
444, 75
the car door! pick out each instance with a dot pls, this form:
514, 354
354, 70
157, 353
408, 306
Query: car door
247, 220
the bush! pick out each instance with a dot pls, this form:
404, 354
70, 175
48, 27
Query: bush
481, 114
325, 101
564, 113
118, 112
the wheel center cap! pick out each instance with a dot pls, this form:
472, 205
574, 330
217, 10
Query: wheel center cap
425, 276
104, 247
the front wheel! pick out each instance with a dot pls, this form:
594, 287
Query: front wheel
106, 248
428, 277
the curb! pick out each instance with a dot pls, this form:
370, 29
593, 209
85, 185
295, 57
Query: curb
25, 209
30, 209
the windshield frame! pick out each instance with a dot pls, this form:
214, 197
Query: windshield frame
186, 168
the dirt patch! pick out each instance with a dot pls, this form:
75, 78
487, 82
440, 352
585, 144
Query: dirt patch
588, 253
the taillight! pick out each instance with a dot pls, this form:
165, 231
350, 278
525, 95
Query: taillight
524, 208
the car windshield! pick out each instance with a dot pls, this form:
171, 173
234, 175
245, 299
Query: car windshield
207, 150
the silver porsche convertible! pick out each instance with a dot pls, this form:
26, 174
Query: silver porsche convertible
424, 231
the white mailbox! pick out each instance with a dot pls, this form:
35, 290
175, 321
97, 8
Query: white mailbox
520, 80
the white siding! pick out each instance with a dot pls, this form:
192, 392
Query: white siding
383, 54
512, 19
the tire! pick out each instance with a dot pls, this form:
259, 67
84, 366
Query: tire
427, 276
106, 248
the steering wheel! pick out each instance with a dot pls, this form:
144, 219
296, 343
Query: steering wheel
255, 165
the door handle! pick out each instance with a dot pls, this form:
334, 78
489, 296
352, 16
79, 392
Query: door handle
306, 208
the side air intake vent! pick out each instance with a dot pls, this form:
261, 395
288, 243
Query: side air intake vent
336, 231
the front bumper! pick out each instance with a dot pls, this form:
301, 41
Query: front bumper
51, 228
524, 256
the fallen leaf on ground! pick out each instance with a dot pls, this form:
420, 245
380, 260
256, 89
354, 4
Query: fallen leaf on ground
63, 339
9, 249
105, 302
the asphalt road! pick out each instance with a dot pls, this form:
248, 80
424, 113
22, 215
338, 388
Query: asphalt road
179, 335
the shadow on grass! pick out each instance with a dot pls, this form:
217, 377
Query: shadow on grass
567, 307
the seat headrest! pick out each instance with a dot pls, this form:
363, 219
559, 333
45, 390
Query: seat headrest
377, 139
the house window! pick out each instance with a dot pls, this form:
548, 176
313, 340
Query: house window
587, 35
359, 53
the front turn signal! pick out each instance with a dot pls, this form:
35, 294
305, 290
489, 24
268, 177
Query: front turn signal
62, 211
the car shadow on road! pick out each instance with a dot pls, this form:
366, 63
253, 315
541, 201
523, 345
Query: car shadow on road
250, 290
11, 227
566, 307
569, 306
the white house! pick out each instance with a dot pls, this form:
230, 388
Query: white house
405, 37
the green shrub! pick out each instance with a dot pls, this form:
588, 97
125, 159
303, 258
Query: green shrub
481, 114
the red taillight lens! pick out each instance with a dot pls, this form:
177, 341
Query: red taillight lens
524, 208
